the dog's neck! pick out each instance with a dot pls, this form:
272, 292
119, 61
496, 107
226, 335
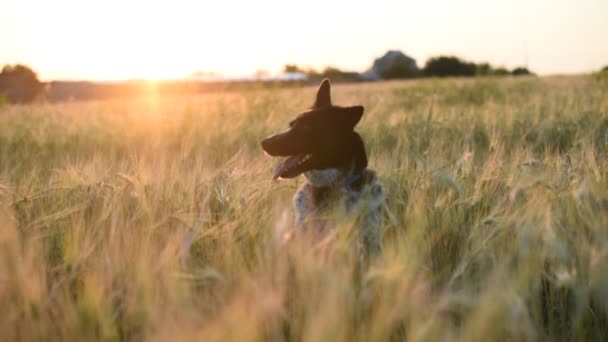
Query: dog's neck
333, 177
325, 177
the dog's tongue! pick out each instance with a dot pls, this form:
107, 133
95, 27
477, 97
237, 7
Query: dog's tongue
290, 167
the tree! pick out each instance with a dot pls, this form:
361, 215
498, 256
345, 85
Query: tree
398, 68
339, 75
331, 72
393, 64
521, 71
19, 83
483, 69
443, 66
500, 72
291, 68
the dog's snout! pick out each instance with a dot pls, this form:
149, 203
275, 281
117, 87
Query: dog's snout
268, 145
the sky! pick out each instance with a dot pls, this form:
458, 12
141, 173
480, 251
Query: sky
121, 39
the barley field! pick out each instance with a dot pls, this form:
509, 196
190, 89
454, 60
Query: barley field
155, 219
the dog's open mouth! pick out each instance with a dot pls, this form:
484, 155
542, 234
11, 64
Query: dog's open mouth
292, 166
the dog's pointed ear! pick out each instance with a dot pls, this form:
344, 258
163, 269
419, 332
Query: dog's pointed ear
352, 115
323, 96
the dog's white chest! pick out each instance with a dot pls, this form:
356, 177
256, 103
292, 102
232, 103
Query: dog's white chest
365, 203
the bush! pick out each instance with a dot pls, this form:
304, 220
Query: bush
19, 83
444, 66
500, 72
398, 68
291, 68
521, 71
392, 65
483, 69
336, 74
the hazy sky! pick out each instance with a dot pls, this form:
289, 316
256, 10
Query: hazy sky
120, 39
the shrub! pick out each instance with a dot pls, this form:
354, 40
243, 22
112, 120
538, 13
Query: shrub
398, 68
443, 66
19, 83
521, 71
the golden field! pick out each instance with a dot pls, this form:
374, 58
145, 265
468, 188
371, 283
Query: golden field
156, 218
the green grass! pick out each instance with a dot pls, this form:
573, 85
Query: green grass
156, 218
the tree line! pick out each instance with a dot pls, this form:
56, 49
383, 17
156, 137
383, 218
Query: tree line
402, 68
20, 84
444, 66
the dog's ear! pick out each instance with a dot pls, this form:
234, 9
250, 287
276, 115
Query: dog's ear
323, 96
351, 116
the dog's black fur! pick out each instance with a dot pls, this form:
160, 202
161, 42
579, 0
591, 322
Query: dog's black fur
321, 144
325, 134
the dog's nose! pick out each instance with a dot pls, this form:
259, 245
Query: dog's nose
272, 144
265, 144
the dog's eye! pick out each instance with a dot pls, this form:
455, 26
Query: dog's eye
303, 126
299, 125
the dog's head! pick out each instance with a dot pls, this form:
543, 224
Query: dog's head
320, 138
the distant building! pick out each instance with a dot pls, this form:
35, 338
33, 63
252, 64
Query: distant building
394, 64
292, 76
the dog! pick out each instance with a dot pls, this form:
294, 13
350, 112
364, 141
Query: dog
321, 143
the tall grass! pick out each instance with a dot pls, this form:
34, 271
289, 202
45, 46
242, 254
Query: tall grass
156, 219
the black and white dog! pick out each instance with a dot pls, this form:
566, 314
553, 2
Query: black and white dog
321, 143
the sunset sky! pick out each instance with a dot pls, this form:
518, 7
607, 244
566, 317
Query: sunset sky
114, 40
